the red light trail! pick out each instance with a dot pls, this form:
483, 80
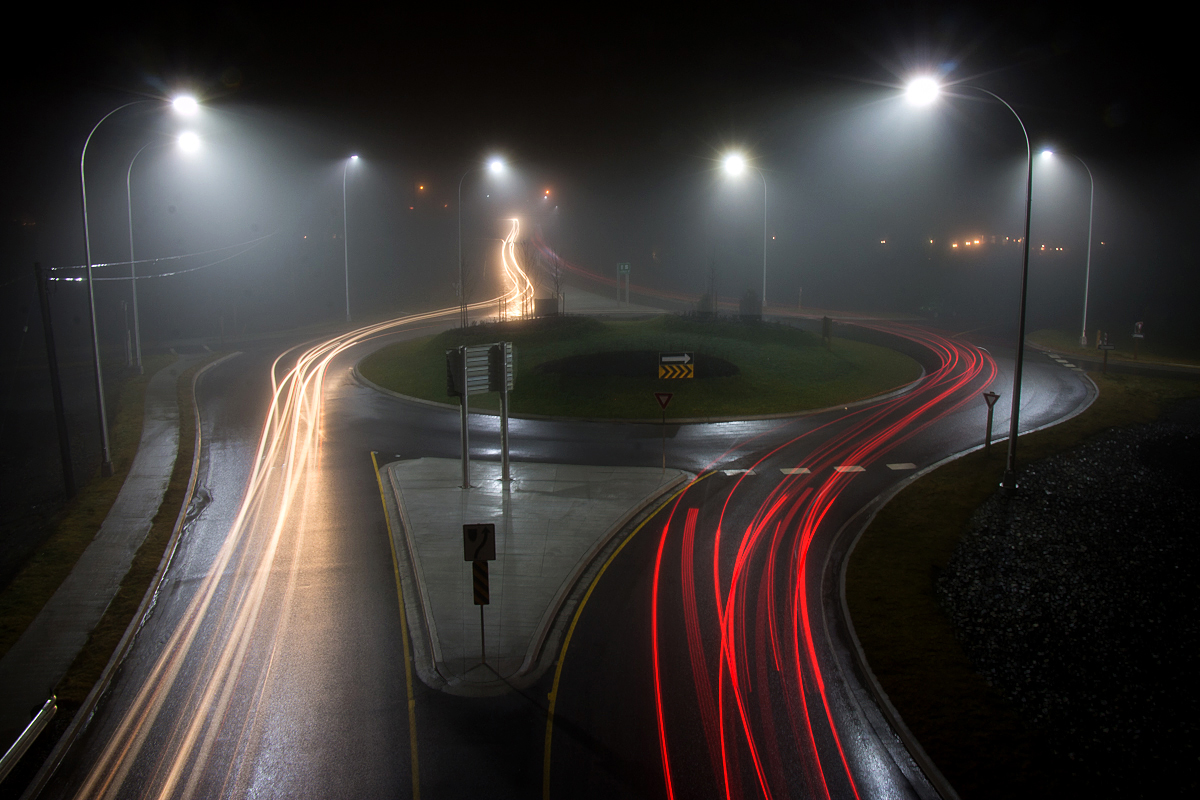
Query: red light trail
753, 655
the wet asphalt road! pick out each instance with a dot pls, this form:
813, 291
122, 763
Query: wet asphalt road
314, 700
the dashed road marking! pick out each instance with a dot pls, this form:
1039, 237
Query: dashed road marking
738, 471
849, 468
795, 470
1065, 364
903, 465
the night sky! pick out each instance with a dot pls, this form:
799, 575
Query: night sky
622, 112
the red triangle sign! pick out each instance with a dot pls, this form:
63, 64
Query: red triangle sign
663, 398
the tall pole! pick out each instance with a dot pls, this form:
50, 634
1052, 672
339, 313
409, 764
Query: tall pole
137, 330
1087, 277
106, 467
1009, 482
60, 416
764, 280
345, 242
462, 289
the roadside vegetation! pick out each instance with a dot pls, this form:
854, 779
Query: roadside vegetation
80, 520
582, 367
75, 525
982, 743
1147, 351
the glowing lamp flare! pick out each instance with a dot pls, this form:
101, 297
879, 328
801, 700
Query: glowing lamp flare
185, 104
189, 142
922, 91
734, 164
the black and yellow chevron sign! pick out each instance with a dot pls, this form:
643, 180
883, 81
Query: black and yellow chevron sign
676, 371
676, 365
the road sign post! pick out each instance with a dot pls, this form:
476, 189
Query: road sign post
676, 365
623, 273
990, 398
479, 547
500, 379
1106, 347
663, 399
469, 370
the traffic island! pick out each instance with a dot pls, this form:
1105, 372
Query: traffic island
552, 524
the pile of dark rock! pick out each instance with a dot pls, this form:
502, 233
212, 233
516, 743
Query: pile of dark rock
1077, 597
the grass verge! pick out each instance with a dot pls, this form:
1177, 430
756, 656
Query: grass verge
781, 369
975, 736
76, 524
87, 667
1152, 352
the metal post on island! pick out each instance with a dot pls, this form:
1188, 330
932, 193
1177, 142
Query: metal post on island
990, 398
479, 547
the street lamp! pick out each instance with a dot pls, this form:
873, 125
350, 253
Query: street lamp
735, 165
1087, 275
924, 91
183, 104
189, 143
345, 240
495, 166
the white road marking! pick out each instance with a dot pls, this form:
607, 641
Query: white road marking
738, 471
795, 470
849, 468
904, 465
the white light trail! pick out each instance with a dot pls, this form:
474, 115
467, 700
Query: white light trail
228, 632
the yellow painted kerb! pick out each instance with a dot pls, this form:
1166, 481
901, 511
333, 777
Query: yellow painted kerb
562, 656
408, 677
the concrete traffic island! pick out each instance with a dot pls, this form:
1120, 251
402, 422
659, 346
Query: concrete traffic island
552, 522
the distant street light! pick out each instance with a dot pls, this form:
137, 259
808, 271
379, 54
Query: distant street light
193, 144
186, 105
345, 239
189, 142
735, 165
922, 92
494, 166
1087, 276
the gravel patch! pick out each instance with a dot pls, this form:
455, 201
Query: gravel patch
1077, 597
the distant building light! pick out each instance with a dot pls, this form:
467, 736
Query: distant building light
954, 245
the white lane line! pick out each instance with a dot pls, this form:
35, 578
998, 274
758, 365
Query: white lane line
795, 470
903, 465
738, 471
849, 468
1065, 364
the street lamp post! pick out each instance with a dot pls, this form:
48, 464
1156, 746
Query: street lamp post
137, 332
924, 91
495, 166
188, 142
345, 239
184, 105
1087, 275
735, 165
